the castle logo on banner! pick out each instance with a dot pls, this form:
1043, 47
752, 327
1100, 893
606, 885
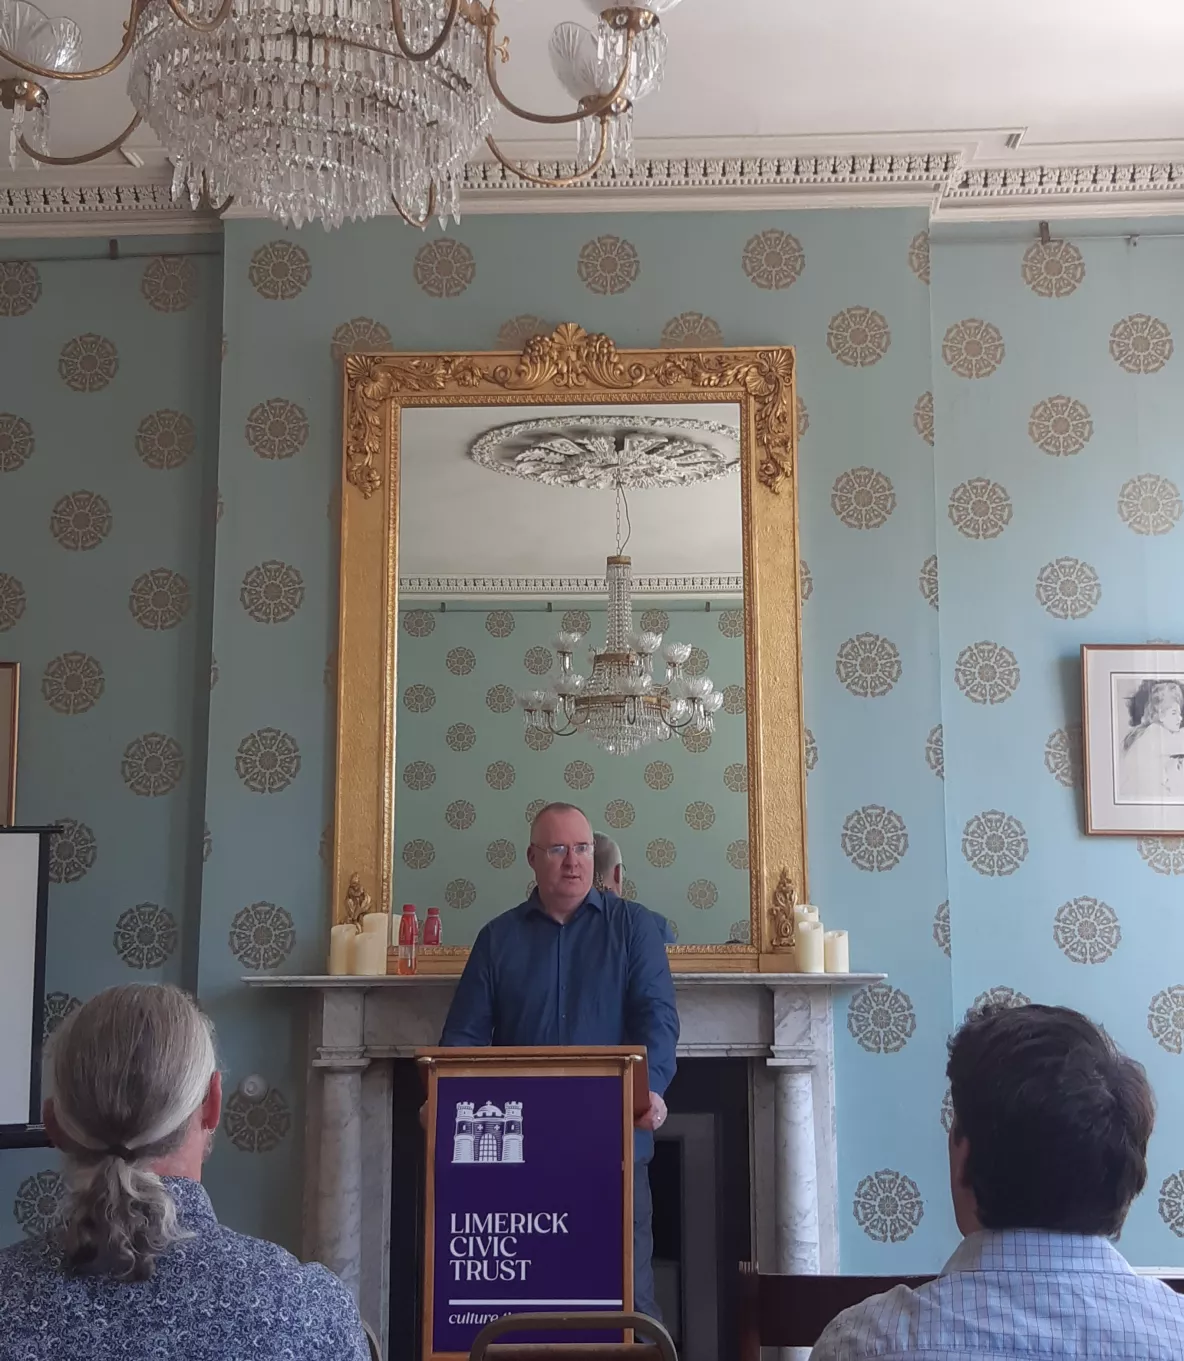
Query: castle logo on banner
489, 1135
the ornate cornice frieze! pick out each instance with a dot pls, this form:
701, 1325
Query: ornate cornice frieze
958, 177
548, 587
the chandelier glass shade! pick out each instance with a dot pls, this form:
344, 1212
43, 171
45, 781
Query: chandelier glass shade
323, 110
622, 705
52, 43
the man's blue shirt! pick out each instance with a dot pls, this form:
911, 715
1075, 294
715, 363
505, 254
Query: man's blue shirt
600, 978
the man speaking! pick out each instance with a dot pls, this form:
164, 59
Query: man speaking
575, 966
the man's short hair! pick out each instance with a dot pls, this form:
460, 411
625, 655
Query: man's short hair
555, 808
1057, 1120
606, 856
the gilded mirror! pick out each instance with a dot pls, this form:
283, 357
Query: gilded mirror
570, 574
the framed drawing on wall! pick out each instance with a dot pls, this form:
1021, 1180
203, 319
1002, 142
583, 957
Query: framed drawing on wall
1133, 739
10, 676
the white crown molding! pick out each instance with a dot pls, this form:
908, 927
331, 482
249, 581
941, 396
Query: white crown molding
578, 587
957, 176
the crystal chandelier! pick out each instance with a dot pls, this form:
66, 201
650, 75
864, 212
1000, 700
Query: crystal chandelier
322, 110
622, 706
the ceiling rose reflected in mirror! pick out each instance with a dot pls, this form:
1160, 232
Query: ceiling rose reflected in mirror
622, 705
602, 452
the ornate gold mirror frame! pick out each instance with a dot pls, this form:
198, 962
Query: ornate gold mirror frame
574, 367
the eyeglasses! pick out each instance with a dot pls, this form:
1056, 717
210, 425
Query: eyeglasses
558, 852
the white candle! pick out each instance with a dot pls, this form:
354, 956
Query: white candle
369, 954
811, 951
340, 943
837, 952
805, 912
377, 921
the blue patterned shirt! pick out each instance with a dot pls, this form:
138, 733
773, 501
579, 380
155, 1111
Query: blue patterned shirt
217, 1296
1016, 1296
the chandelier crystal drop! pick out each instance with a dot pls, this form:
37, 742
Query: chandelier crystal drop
323, 110
308, 110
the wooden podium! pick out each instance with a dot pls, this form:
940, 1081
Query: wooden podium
529, 1197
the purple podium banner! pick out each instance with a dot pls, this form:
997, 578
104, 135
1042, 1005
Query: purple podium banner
529, 1201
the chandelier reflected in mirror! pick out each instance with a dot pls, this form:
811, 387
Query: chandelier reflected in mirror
322, 110
622, 705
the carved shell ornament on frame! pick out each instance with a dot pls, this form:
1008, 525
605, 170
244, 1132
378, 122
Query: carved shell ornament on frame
568, 360
593, 452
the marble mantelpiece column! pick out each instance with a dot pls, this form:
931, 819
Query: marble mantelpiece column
780, 1023
798, 1251
340, 1058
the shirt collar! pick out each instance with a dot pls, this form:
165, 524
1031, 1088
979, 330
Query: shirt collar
194, 1209
1036, 1250
594, 899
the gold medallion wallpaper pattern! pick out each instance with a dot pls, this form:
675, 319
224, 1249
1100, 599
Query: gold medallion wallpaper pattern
471, 776
990, 475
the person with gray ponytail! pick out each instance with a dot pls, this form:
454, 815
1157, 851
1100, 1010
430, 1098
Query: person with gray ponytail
138, 1266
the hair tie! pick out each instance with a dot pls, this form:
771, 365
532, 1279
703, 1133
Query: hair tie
119, 1151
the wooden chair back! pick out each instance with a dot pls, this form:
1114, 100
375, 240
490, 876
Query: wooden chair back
372, 1342
487, 1348
792, 1311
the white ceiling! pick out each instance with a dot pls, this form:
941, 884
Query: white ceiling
459, 519
1065, 71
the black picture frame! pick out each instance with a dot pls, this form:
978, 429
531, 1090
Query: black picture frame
32, 1133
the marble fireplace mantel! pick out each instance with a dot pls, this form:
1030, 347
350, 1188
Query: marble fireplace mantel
781, 1023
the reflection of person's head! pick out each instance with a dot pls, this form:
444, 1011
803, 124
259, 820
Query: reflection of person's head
560, 854
1158, 701
609, 870
1051, 1123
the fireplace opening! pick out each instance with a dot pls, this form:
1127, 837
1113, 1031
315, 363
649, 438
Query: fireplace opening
666, 1189
699, 1180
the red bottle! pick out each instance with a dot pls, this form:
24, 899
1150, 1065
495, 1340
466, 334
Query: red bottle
431, 927
408, 940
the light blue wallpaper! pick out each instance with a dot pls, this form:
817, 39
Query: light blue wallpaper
992, 418
108, 434
471, 777
1059, 468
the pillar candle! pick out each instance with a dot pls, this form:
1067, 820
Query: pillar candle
340, 943
805, 912
377, 921
837, 952
368, 956
811, 952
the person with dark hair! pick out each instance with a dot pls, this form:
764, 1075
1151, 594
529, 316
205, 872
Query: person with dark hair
1048, 1149
574, 965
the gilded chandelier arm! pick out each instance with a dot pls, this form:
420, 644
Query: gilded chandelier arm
113, 145
201, 25
401, 32
48, 73
601, 106
563, 182
428, 211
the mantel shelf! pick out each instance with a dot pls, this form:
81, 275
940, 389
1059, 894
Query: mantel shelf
681, 980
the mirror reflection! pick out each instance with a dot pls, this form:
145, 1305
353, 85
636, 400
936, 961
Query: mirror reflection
571, 628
